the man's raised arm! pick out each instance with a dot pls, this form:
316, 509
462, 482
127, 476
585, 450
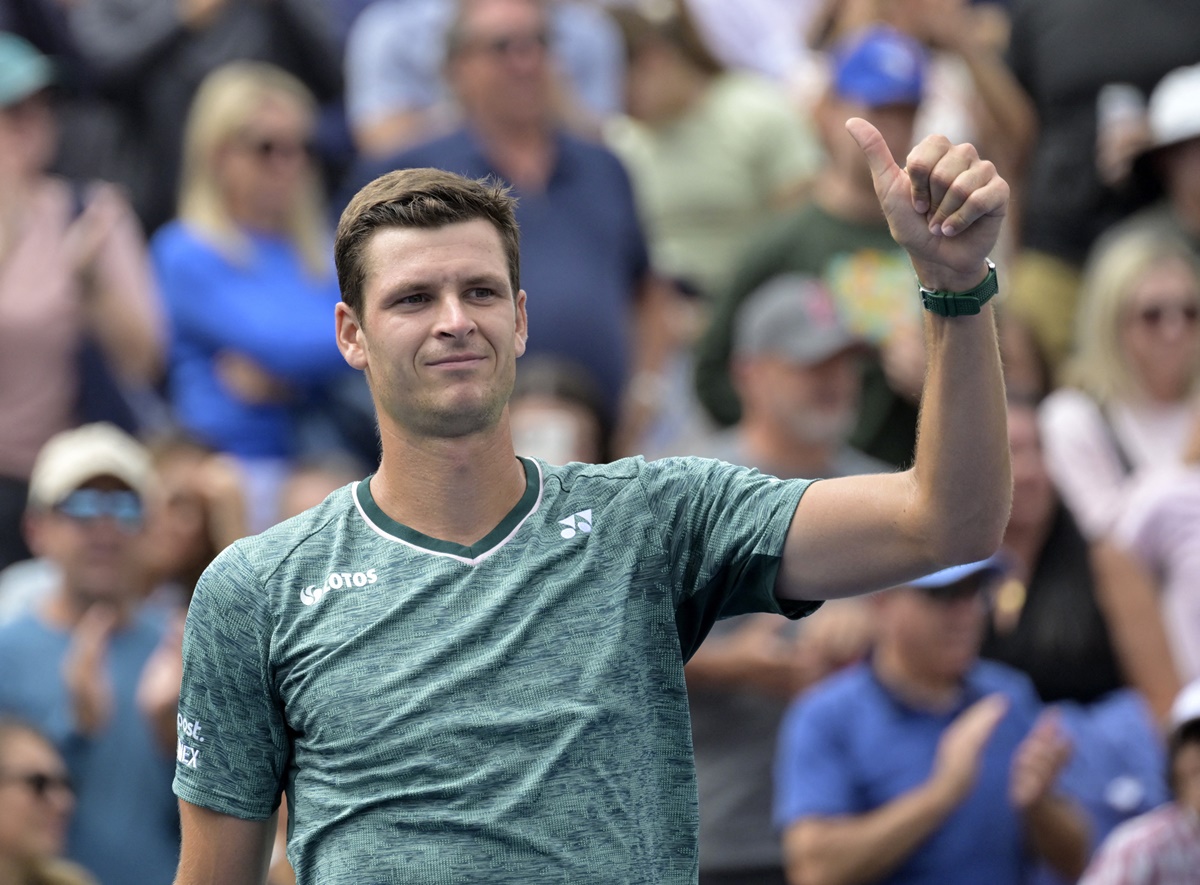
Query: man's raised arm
856, 534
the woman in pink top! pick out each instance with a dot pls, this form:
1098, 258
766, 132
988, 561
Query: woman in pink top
1129, 404
73, 267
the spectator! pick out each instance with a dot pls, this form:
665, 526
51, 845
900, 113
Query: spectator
1163, 846
1160, 527
152, 55
1063, 53
557, 413
711, 152
1128, 406
840, 238
796, 368
397, 98
247, 274
196, 511
96, 317
1173, 152
1083, 623
74, 665
36, 801
583, 258
934, 766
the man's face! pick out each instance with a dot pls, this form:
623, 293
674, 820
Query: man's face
441, 330
93, 536
938, 634
813, 404
501, 70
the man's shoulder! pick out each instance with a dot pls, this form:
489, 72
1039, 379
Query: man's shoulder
836, 697
320, 526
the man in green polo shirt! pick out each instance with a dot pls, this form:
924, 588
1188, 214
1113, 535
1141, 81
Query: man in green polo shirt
468, 667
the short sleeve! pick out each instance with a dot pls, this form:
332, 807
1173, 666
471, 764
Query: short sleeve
233, 746
812, 771
723, 530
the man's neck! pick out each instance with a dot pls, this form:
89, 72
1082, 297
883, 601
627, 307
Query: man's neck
454, 490
63, 610
523, 153
914, 688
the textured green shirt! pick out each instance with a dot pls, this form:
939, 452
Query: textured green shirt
509, 712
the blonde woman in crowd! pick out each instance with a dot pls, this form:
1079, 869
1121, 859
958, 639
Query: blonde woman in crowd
247, 274
1128, 405
35, 807
75, 281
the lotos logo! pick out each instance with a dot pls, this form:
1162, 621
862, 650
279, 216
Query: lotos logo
312, 594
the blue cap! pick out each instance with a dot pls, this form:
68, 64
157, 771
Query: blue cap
993, 565
880, 66
23, 70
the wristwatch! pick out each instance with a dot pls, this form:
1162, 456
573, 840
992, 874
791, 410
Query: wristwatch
959, 304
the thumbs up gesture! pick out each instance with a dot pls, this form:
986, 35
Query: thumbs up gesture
945, 206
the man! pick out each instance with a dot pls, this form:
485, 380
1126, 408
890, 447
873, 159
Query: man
1162, 847
583, 257
796, 368
840, 237
75, 665
397, 97
469, 667
925, 765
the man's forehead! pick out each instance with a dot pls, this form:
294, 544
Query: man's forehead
492, 16
400, 255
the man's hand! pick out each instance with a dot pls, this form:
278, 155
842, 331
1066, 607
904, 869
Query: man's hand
945, 207
961, 747
85, 669
1037, 762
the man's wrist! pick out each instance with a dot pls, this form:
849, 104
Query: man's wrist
941, 278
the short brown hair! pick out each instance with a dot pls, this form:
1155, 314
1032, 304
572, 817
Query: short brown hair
421, 198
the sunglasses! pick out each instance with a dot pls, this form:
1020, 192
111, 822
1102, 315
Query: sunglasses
40, 783
1153, 316
90, 505
511, 44
267, 149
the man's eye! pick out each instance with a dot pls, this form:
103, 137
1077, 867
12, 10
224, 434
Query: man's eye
415, 298
481, 292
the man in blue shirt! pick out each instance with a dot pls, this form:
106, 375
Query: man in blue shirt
584, 260
925, 765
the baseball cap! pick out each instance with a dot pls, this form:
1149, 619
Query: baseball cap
1174, 108
1187, 705
792, 316
879, 66
23, 70
947, 578
74, 457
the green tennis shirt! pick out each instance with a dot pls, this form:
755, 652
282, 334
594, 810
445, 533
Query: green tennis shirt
509, 712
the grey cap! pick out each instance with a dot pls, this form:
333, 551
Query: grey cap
791, 316
23, 70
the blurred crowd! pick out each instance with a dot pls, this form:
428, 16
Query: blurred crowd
708, 272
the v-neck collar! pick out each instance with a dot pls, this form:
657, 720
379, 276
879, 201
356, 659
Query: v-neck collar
388, 528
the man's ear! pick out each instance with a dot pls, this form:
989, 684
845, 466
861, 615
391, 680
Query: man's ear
350, 339
522, 323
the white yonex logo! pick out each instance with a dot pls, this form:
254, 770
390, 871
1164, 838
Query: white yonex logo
313, 594
580, 522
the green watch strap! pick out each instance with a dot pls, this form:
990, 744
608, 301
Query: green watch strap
958, 304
